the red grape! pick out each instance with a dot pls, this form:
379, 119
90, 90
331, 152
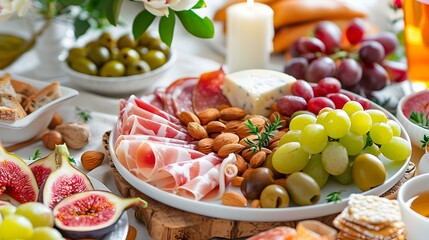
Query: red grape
349, 95
317, 103
296, 67
302, 89
355, 30
349, 72
371, 52
366, 104
320, 68
316, 91
397, 70
329, 85
288, 104
293, 50
387, 39
374, 77
330, 34
339, 99
310, 45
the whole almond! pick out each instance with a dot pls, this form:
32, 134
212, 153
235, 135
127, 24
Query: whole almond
258, 159
243, 141
197, 131
91, 159
214, 135
232, 126
186, 117
223, 106
225, 150
232, 113
266, 151
256, 203
278, 136
205, 145
248, 170
237, 181
247, 154
273, 145
208, 115
234, 199
285, 120
241, 164
244, 131
215, 127
223, 139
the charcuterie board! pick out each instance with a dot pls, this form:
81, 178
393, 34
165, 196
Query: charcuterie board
165, 222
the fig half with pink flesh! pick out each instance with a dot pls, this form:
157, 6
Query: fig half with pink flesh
64, 181
91, 214
17, 182
43, 167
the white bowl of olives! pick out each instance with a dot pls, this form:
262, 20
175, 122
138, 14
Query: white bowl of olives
113, 66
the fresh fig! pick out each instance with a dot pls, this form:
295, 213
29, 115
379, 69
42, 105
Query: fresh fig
91, 214
17, 182
43, 167
63, 181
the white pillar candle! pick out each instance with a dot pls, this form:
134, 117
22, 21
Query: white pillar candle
249, 38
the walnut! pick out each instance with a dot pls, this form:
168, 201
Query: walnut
75, 135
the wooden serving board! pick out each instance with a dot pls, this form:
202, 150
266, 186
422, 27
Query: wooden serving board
164, 222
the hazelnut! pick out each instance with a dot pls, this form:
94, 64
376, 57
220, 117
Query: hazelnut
52, 138
55, 121
91, 159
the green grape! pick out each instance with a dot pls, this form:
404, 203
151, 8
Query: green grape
325, 109
290, 158
372, 149
396, 129
346, 177
300, 112
46, 233
335, 158
398, 149
7, 210
351, 107
16, 227
381, 133
315, 169
353, 142
313, 138
361, 122
39, 214
377, 116
337, 123
290, 136
301, 121
321, 117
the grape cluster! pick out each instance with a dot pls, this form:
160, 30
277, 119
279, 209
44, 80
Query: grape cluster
359, 64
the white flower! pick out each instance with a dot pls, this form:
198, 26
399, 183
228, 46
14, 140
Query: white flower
160, 7
9, 7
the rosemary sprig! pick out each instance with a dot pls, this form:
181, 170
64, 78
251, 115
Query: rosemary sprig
262, 139
84, 114
36, 155
420, 118
334, 196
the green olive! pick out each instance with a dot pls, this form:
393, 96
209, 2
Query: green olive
147, 37
256, 181
142, 50
91, 44
112, 68
126, 41
84, 65
368, 171
76, 52
160, 46
346, 177
303, 189
98, 55
107, 40
137, 67
268, 163
154, 58
315, 169
274, 196
128, 55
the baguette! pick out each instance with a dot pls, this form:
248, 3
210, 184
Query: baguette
23, 88
8, 102
42, 97
7, 88
8, 114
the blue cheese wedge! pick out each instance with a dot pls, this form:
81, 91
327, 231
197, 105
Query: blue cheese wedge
256, 90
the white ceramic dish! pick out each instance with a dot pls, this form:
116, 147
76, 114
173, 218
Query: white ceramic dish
118, 85
395, 171
34, 123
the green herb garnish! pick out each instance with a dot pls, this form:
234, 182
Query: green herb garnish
84, 114
420, 118
424, 141
334, 196
72, 160
36, 155
262, 139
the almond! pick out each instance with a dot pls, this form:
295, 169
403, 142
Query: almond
248, 170
91, 159
266, 151
250, 137
205, 145
241, 164
215, 127
186, 117
197, 131
281, 182
237, 181
284, 123
278, 136
232, 113
214, 135
256, 203
225, 150
234, 199
247, 154
223, 106
208, 115
258, 159
223, 139
273, 107
232, 126
244, 131
273, 145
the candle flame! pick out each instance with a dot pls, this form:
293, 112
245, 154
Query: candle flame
250, 2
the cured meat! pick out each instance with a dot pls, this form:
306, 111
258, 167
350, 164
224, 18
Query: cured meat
213, 183
154, 100
173, 175
208, 92
141, 126
177, 142
277, 233
151, 108
178, 96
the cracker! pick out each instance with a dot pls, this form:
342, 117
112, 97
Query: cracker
376, 227
390, 231
374, 209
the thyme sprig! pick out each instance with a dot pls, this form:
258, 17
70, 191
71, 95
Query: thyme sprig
37, 154
334, 196
262, 138
420, 118
84, 114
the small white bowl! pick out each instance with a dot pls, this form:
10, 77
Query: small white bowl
415, 132
416, 225
118, 85
37, 121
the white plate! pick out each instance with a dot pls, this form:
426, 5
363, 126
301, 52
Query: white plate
395, 171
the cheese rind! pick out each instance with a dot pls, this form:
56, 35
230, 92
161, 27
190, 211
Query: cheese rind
256, 90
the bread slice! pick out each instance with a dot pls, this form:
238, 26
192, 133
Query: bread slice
42, 97
7, 88
11, 108
8, 114
23, 88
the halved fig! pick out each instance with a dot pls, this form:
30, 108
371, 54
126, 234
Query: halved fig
17, 182
63, 181
91, 214
43, 167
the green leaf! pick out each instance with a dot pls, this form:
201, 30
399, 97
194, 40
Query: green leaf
141, 22
80, 26
166, 27
200, 4
112, 11
67, 3
195, 25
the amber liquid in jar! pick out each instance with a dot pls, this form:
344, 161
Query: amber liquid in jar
420, 204
416, 13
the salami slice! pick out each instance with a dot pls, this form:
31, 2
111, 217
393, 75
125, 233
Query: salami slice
208, 92
178, 96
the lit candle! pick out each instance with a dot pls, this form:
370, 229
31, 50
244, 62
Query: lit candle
249, 38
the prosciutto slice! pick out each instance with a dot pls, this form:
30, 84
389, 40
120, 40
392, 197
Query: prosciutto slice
153, 109
168, 141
